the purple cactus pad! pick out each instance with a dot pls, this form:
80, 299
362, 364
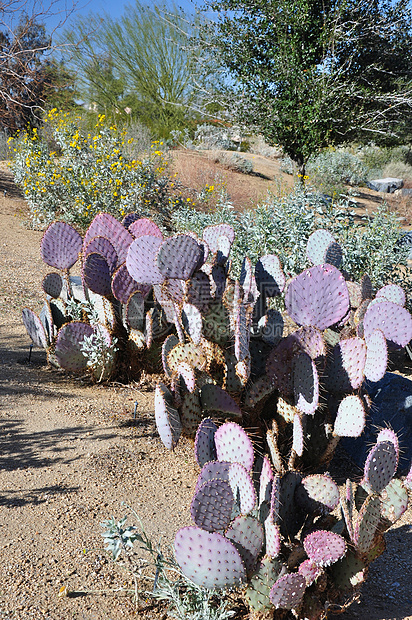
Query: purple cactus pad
319, 242
394, 321
96, 275
34, 328
215, 398
242, 486
387, 434
191, 413
270, 279
60, 246
167, 418
143, 226
102, 246
317, 297
212, 234
52, 284
318, 494
305, 383
310, 571
105, 225
208, 558
265, 481
380, 466
205, 449
288, 591
345, 367
350, 419
68, 345
392, 292
212, 470
376, 356
246, 533
279, 364
324, 547
179, 256
311, 341
141, 260
212, 505
234, 445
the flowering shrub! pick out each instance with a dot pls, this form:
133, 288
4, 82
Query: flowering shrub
92, 173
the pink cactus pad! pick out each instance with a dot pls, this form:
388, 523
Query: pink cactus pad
288, 591
324, 547
376, 356
317, 297
242, 485
234, 445
350, 419
212, 234
144, 226
392, 292
394, 321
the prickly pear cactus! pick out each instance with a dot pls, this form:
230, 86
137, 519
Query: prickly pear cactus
282, 538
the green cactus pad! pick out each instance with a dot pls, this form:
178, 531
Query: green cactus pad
318, 494
212, 504
208, 558
287, 592
350, 419
189, 353
324, 547
246, 533
367, 524
168, 421
52, 284
234, 445
68, 345
305, 383
216, 324
381, 465
258, 590
34, 328
394, 501
60, 246
355, 294
348, 572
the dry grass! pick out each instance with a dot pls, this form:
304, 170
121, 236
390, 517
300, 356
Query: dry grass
195, 170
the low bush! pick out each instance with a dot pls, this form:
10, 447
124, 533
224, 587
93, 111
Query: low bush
92, 172
334, 168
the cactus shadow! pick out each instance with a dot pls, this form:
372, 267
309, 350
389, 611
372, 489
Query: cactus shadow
14, 499
387, 594
22, 450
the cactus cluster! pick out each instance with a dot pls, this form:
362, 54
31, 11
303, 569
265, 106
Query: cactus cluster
296, 377
289, 539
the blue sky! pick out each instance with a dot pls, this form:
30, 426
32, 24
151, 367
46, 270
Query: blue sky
114, 8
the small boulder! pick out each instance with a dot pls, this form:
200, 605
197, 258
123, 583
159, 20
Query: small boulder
388, 185
391, 406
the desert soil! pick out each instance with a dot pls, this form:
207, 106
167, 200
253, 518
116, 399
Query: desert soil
71, 453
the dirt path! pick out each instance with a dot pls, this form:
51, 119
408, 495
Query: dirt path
70, 454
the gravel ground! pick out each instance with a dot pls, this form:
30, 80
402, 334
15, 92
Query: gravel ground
70, 453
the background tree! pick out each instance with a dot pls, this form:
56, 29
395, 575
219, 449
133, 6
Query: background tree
309, 74
149, 65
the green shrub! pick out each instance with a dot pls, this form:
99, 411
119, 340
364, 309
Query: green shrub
398, 170
335, 167
282, 226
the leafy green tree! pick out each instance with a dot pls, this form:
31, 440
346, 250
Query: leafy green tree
309, 74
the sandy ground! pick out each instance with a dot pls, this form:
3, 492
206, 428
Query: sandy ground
70, 453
